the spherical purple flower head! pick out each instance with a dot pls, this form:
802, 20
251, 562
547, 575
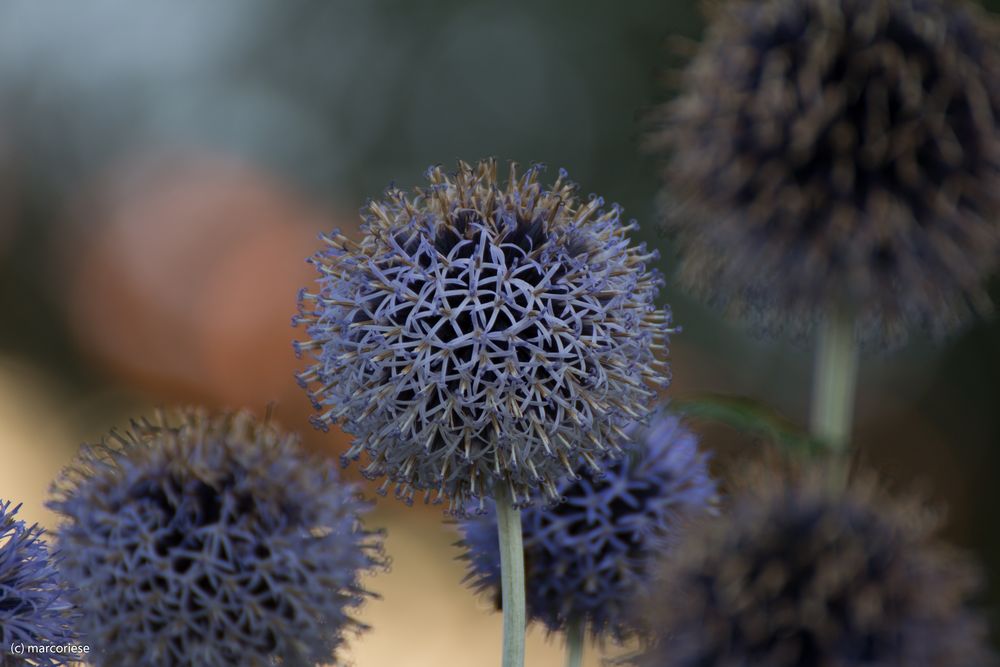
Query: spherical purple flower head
34, 607
483, 333
797, 574
213, 541
589, 557
840, 151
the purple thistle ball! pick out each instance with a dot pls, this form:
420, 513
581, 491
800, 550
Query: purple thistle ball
483, 333
34, 605
797, 572
848, 151
589, 557
211, 540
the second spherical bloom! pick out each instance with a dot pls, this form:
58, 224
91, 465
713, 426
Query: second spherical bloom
590, 557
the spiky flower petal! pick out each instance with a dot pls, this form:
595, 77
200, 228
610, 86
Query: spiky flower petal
841, 150
211, 540
590, 556
34, 607
483, 333
797, 574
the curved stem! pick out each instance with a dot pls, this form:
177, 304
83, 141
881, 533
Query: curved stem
511, 578
574, 643
834, 382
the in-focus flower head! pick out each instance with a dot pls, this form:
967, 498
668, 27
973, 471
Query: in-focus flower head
484, 333
211, 540
840, 151
796, 574
34, 606
591, 556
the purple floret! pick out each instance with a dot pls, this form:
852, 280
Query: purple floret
589, 557
212, 540
484, 333
34, 605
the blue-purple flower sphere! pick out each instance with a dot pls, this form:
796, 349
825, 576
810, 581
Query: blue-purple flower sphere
799, 572
34, 606
589, 558
840, 152
484, 333
211, 540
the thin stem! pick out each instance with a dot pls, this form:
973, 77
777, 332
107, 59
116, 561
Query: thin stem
511, 578
574, 643
834, 381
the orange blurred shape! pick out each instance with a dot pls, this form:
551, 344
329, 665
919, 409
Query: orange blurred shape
185, 275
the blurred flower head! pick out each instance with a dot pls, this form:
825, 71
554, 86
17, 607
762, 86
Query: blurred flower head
34, 606
211, 540
483, 333
589, 557
797, 574
840, 151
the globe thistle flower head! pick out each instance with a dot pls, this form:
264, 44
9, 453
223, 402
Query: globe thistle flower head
34, 607
211, 540
483, 333
840, 151
796, 574
590, 556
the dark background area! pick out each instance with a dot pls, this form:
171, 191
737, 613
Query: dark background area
165, 169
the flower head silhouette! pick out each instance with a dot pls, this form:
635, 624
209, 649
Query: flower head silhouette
588, 558
795, 573
34, 602
483, 333
211, 540
840, 151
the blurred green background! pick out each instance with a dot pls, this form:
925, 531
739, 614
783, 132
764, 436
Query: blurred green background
165, 169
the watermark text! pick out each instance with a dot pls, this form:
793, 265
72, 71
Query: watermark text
76, 650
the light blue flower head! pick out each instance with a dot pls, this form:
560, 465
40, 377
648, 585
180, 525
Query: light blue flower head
211, 540
589, 557
34, 606
483, 333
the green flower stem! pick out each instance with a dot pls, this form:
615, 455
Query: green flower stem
574, 643
511, 578
834, 381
